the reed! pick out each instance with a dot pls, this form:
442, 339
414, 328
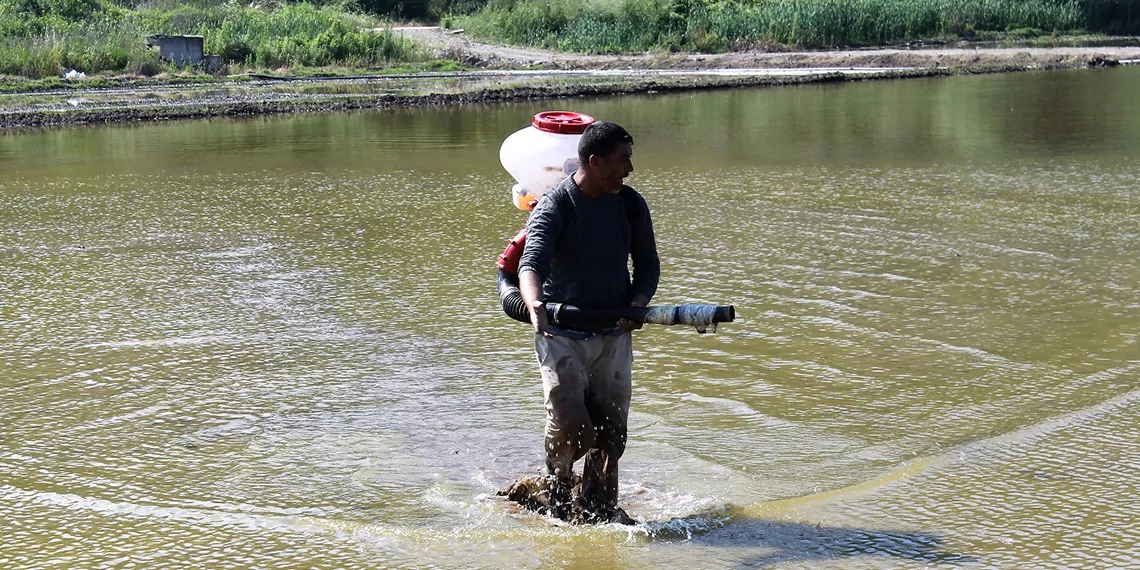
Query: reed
1117, 17
707, 25
95, 48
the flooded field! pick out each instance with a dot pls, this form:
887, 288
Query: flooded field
275, 343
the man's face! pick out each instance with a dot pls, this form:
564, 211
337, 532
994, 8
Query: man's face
612, 169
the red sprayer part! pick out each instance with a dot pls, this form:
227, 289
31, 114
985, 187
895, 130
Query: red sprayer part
509, 259
562, 122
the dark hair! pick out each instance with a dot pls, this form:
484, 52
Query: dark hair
601, 138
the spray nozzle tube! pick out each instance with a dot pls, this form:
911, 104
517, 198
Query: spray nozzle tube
702, 317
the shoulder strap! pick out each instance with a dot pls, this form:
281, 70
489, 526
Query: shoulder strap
631, 203
564, 205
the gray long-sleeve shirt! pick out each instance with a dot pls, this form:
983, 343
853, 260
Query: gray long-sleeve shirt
580, 247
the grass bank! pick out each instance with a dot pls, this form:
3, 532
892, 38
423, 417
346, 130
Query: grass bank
43, 38
254, 98
617, 26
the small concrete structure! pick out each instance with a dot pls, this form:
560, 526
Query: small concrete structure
181, 50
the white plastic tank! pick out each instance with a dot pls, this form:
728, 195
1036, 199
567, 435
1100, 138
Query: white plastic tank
541, 155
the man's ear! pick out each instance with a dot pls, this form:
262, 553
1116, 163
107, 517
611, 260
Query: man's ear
595, 160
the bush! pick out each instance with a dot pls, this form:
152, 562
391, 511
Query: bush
148, 67
235, 51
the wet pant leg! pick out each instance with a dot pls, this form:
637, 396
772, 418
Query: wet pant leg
565, 382
607, 404
587, 386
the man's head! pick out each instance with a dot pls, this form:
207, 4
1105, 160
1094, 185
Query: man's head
606, 154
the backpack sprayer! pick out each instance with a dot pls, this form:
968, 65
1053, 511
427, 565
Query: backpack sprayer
539, 157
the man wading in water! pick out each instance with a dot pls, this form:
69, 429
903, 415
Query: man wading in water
578, 242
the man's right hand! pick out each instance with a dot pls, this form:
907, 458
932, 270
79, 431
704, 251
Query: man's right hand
538, 317
530, 287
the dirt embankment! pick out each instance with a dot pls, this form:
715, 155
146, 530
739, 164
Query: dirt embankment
560, 75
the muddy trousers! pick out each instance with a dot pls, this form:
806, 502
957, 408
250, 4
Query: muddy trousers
586, 387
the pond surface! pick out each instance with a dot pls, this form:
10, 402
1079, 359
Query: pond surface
275, 343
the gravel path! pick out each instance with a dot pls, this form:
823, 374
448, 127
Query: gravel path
458, 46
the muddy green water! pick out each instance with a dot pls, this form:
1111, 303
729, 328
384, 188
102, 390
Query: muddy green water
275, 343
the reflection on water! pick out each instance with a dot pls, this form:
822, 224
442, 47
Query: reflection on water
275, 343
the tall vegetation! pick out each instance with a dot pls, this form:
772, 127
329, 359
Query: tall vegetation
1117, 17
44, 37
717, 25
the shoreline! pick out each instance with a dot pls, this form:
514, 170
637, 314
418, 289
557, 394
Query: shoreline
588, 76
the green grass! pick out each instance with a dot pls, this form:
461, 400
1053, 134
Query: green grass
435, 65
21, 84
43, 38
293, 35
712, 26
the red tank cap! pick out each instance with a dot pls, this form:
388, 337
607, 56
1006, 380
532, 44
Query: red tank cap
562, 122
